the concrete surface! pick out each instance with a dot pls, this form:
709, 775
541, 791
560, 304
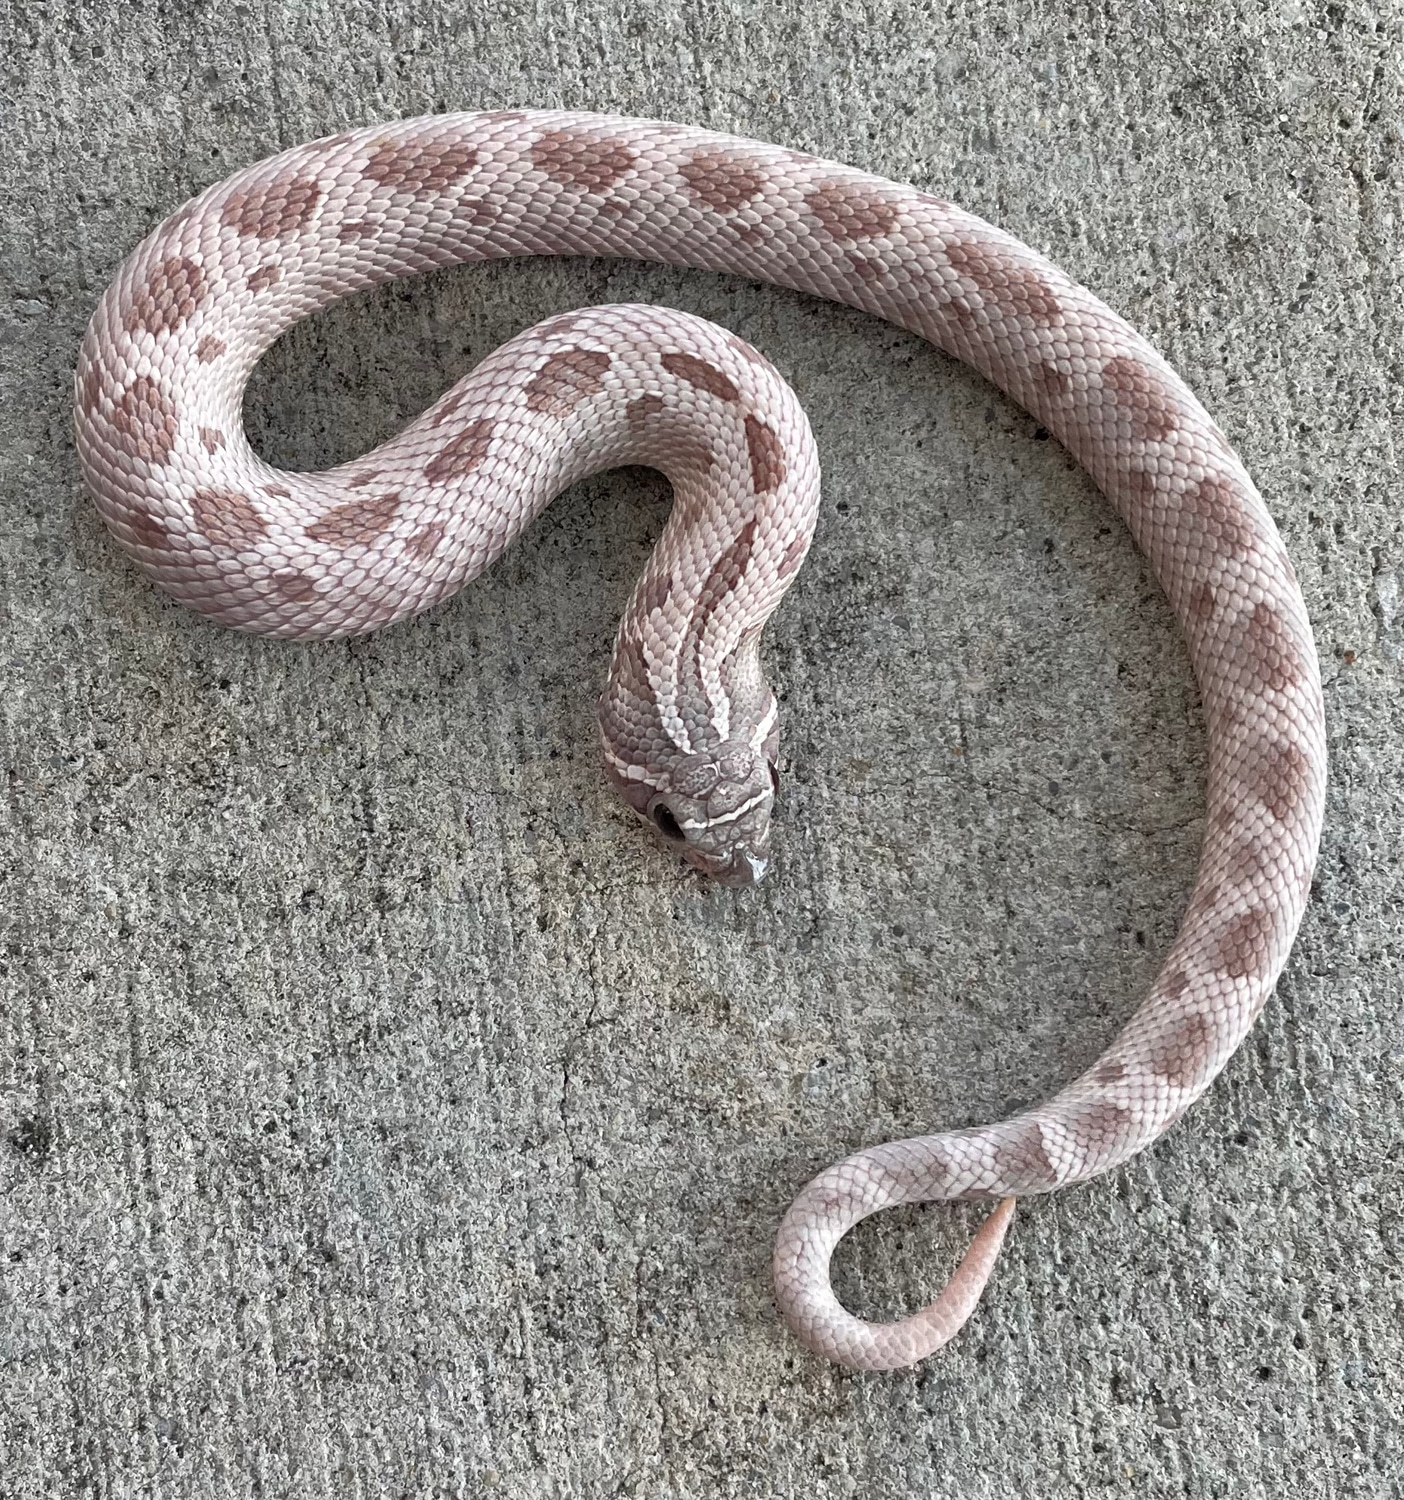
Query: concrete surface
381, 1114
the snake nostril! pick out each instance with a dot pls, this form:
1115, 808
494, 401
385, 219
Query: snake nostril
666, 824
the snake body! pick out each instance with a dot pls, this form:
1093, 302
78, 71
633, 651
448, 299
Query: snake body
687, 720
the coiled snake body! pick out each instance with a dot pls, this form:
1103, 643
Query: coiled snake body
687, 720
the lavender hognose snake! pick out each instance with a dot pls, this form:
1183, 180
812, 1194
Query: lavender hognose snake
688, 721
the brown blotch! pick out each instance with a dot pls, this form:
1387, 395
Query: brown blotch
1023, 1159
172, 293
421, 166
658, 593
451, 405
794, 556
277, 491
1218, 514
1050, 380
463, 452
1278, 775
629, 679
270, 210
295, 587
89, 388
425, 543
767, 456
852, 211
569, 321
212, 438
474, 212
699, 373
1185, 1048
1141, 397
358, 229
1252, 863
1269, 644
687, 454
1203, 601
1109, 1071
582, 162
144, 419
209, 348
1143, 484
1099, 1121
1242, 948
179, 219
264, 277
725, 575
566, 379
964, 313
1205, 900
1174, 985
1004, 282
358, 523
749, 353
644, 407
227, 518
147, 530
716, 178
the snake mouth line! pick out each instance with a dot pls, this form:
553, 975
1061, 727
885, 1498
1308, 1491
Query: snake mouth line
741, 870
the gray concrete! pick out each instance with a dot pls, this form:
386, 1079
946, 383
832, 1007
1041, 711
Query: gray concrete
382, 1115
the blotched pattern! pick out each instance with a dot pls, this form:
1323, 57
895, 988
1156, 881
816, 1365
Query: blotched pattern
688, 723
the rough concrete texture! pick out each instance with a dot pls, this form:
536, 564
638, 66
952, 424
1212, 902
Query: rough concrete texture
382, 1113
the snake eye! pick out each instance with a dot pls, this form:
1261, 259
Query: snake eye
666, 824
774, 776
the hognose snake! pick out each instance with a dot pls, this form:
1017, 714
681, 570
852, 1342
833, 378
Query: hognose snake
688, 723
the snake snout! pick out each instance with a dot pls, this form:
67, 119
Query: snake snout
743, 869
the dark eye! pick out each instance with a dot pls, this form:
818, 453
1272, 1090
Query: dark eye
666, 823
774, 776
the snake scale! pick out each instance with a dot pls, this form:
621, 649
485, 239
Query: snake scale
688, 722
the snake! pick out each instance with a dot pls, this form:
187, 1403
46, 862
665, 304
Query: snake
688, 722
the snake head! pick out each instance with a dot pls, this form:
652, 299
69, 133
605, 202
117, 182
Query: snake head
713, 808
